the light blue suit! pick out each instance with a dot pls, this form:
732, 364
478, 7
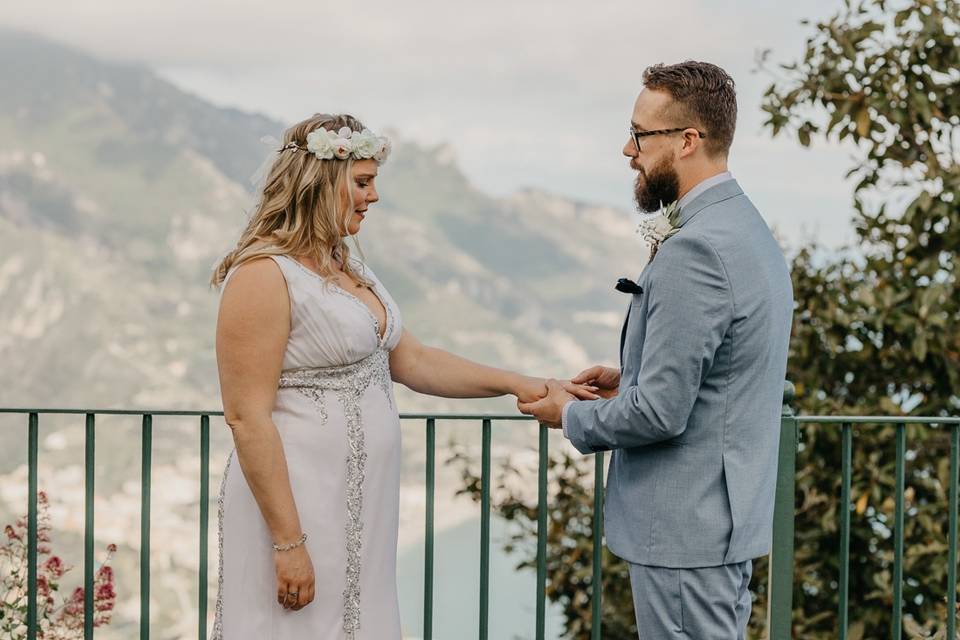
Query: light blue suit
694, 428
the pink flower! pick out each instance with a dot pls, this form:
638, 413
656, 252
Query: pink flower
54, 565
65, 614
105, 595
74, 606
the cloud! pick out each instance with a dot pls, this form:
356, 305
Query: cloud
536, 93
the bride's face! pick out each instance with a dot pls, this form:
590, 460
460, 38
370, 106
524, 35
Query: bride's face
361, 185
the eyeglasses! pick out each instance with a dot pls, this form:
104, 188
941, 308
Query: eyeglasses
636, 135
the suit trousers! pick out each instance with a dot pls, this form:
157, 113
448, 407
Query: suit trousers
712, 603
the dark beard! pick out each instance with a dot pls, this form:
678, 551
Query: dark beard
656, 189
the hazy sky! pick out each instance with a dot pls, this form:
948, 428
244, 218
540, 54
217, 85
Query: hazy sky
527, 93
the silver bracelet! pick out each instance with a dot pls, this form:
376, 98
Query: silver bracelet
291, 545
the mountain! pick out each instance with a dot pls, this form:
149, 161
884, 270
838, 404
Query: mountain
119, 191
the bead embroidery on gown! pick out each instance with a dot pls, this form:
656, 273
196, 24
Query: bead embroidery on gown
338, 422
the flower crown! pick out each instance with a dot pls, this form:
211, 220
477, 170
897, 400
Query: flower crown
342, 144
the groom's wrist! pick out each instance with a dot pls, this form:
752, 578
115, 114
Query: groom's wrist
563, 416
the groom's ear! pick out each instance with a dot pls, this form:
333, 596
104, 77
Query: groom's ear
691, 143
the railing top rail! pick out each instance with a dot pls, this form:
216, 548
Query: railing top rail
834, 420
113, 412
193, 412
877, 420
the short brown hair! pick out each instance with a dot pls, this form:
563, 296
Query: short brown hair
703, 93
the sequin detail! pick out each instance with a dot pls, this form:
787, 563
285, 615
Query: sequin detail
349, 383
316, 396
218, 618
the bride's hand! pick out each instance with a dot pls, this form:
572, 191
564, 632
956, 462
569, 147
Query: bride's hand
532, 389
294, 576
529, 389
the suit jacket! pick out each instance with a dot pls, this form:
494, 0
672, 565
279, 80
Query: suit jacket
695, 427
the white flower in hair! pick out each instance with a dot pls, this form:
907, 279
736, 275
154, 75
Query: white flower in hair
345, 143
320, 144
383, 152
365, 144
342, 145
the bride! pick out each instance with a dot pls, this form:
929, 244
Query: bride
308, 341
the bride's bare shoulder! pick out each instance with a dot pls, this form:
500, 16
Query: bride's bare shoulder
256, 285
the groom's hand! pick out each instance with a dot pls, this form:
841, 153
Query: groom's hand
605, 379
548, 410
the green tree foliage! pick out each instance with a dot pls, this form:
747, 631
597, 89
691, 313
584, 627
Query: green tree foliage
877, 331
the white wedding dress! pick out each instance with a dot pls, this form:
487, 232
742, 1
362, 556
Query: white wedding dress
337, 418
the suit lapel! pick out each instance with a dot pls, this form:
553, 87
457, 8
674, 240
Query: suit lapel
623, 333
713, 195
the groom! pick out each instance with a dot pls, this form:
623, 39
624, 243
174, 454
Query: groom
692, 415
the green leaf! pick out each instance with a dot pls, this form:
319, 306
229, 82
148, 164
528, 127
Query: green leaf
863, 122
856, 630
920, 346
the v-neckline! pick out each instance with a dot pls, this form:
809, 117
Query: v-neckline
381, 337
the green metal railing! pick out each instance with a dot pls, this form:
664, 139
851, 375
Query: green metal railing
430, 420
781, 561
781, 578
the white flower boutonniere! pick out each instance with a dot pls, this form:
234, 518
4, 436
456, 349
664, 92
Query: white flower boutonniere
656, 228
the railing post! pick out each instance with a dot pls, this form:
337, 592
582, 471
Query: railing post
431, 472
896, 625
846, 475
542, 533
204, 524
596, 582
33, 450
88, 573
485, 530
780, 584
952, 524
146, 475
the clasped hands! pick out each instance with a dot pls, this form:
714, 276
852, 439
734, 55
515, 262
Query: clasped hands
590, 384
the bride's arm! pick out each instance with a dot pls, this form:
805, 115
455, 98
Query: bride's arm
252, 330
436, 372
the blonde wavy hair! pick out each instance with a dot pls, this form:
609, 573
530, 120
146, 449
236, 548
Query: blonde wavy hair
299, 211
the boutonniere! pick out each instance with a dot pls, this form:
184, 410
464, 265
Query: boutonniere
657, 227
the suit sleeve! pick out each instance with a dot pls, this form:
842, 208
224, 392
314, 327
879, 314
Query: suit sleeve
689, 310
